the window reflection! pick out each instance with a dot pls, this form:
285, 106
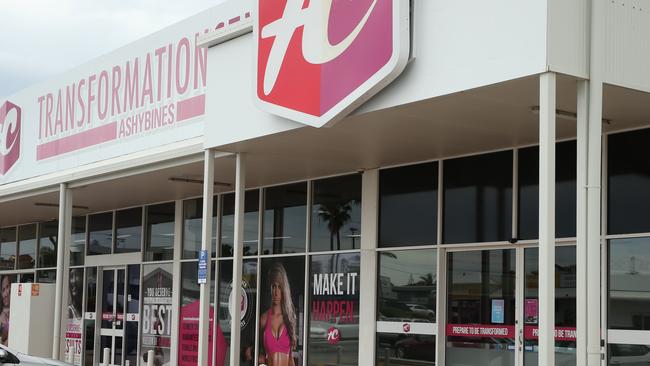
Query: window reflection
26, 246
78, 241
336, 213
408, 205
193, 226
395, 349
8, 248
285, 219
160, 232
478, 198
100, 233
629, 284
48, 235
251, 223
128, 226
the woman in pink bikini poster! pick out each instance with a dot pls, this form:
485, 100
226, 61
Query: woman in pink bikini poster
281, 310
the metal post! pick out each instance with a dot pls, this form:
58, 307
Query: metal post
581, 222
368, 276
107, 357
65, 216
206, 244
547, 219
237, 266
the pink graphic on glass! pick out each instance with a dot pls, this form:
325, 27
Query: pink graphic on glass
10, 118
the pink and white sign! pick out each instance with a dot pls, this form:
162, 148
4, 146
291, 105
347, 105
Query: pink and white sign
10, 119
567, 334
480, 331
319, 60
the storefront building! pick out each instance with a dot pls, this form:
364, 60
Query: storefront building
394, 183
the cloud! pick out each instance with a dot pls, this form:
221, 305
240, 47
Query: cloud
43, 38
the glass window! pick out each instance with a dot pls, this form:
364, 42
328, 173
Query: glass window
565, 305
248, 320
406, 288
628, 187
100, 233
26, 246
132, 307
78, 241
48, 236
189, 315
160, 232
565, 191
91, 289
408, 205
128, 230
334, 334
336, 213
628, 354
285, 219
481, 307
47, 276
478, 198
193, 225
629, 284
251, 223
8, 248
398, 349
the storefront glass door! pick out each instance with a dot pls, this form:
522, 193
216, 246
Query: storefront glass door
112, 314
492, 308
481, 307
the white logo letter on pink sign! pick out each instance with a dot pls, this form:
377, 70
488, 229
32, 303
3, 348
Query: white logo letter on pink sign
319, 60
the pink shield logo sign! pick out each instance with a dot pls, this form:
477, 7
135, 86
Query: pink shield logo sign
10, 119
317, 60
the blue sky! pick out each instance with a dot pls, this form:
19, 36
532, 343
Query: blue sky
43, 38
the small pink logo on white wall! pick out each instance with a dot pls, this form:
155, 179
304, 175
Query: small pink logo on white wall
10, 117
318, 60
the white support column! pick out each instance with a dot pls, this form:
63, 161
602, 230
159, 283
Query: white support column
237, 263
368, 276
176, 278
65, 218
547, 92
582, 131
594, 334
206, 244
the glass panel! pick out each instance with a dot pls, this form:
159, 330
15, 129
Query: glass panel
104, 342
192, 226
406, 288
48, 276
285, 219
5, 286
628, 182
157, 311
481, 308
26, 246
334, 315
108, 299
565, 191
629, 284
74, 324
189, 316
132, 309
8, 248
48, 235
128, 230
160, 232
478, 198
251, 223
565, 305
281, 308
408, 205
90, 343
100, 233
117, 352
336, 213
121, 291
91, 289
628, 354
26, 277
78, 241
406, 350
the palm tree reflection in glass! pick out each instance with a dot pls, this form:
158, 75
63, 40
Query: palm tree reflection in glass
336, 215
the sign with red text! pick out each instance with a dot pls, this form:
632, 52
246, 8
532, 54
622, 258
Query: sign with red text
319, 60
147, 97
567, 334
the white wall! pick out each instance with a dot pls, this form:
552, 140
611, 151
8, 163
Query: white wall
568, 37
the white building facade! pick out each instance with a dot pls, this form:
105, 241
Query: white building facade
393, 183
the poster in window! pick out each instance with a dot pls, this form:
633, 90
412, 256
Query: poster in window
247, 305
281, 311
73, 331
5, 286
157, 313
334, 309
